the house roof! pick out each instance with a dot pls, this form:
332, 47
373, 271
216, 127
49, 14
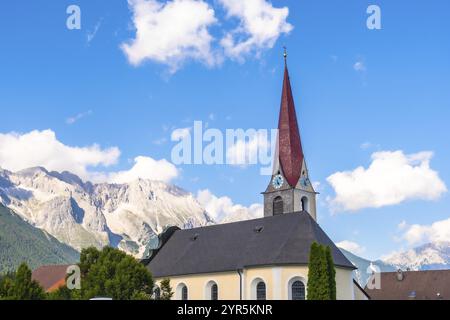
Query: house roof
290, 146
418, 285
278, 240
50, 277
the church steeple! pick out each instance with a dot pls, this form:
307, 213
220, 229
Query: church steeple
290, 189
290, 145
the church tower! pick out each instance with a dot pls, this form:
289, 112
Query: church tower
290, 189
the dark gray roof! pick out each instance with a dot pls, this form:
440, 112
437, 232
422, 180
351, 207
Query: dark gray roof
284, 240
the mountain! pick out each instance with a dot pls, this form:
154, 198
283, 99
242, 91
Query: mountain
82, 214
21, 242
364, 267
431, 256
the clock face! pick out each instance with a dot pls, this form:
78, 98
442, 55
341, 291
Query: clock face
304, 181
278, 181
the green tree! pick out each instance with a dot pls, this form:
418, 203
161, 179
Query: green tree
21, 286
331, 273
166, 290
318, 274
6, 283
63, 293
114, 274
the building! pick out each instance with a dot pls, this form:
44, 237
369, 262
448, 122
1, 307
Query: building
258, 259
51, 278
413, 285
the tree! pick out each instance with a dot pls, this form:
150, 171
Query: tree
166, 290
114, 274
63, 293
20, 286
320, 274
331, 273
6, 283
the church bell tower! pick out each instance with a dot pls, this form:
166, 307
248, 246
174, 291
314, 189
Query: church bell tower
290, 189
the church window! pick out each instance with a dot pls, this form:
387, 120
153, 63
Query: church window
261, 291
214, 292
278, 206
184, 293
157, 293
298, 290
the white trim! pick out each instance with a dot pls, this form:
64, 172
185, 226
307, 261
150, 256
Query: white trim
207, 289
291, 281
178, 291
276, 274
253, 285
243, 285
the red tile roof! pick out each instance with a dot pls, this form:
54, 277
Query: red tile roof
414, 285
51, 278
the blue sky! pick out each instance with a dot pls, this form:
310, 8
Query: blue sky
398, 99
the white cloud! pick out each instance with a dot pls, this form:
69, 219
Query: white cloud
79, 116
359, 66
351, 246
176, 31
417, 234
91, 34
42, 148
392, 178
365, 145
171, 32
224, 210
260, 25
146, 168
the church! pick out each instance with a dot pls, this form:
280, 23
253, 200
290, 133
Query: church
261, 259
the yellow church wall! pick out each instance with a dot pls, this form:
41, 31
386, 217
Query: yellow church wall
227, 282
278, 280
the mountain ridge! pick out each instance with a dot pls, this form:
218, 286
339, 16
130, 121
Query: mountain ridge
21, 242
83, 214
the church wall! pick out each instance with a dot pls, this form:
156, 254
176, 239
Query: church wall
227, 282
276, 278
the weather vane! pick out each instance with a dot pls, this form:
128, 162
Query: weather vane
285, 54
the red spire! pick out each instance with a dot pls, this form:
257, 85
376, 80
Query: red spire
290, 145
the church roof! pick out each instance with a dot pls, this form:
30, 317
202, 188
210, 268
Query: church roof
278, 240
290, 145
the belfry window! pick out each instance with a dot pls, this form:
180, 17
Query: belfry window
305, 204
278, 206
261, 291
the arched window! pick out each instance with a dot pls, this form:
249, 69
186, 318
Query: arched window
261, 291
305, 204
278, 206
298, 290
214, 292
184, 293
157, 293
